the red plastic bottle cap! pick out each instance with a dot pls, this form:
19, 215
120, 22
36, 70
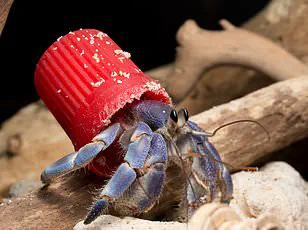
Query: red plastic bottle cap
84, 78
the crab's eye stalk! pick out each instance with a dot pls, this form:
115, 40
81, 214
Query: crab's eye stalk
186, 115
174, 116
182, 117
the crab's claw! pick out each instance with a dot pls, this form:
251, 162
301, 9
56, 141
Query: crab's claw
138, 182
81, 158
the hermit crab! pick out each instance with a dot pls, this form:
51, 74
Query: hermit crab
123, 126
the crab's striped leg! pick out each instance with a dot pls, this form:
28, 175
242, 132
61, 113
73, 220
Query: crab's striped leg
208, 171
143, 173
81, 158
204, 177
226, 185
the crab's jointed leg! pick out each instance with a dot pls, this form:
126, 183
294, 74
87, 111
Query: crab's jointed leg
81, 158
203, 177
208, 172
226, 185
139, 180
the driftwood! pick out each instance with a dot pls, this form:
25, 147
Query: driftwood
200, 50
280, 108
29, 141
282, 21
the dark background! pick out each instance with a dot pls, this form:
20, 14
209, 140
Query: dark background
144, 28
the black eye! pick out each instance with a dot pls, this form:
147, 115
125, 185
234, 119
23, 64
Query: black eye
174, 116
186, 114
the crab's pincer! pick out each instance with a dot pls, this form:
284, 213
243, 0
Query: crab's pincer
83, 156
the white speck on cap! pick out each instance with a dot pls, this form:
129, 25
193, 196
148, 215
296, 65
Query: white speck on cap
121, 59
97, 84
100, 35
126, 74
152, 85
96, 58
127, 54
118, 51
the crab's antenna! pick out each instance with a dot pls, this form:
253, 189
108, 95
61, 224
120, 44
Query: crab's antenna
211, 134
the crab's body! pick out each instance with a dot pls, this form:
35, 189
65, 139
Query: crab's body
164, 158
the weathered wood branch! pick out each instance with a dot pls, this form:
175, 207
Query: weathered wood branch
281, 108
281, 21
200, 50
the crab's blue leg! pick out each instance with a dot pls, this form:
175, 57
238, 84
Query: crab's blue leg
81, 158
210, 168
120, 181
204, 168
227, 185
204, 178
194, 196
152, 181
146, 153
